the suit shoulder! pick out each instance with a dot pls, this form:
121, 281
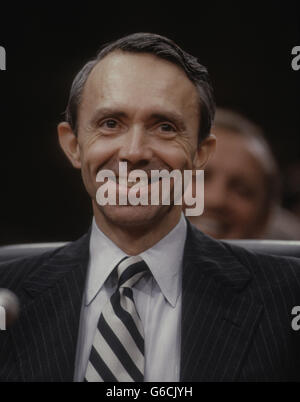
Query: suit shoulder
269, 270
15, 271
262, 260
233, 261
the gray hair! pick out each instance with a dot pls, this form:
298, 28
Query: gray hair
163, 48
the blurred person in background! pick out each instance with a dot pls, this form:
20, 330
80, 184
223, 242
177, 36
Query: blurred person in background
292, 187
242, 185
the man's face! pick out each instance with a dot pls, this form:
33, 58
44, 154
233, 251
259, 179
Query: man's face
139, 109
234, 190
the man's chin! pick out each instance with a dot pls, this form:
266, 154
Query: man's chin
133, 216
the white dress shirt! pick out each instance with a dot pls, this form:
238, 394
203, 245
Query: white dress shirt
157, 298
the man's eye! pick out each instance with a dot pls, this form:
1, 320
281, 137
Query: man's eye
167, 127
110, 123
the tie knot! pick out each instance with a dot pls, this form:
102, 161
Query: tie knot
130, 270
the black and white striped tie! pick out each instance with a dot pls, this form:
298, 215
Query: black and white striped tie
118, 349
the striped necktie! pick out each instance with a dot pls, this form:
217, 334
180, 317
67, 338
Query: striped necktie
117, 353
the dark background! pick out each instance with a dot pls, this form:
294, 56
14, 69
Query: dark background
246, 47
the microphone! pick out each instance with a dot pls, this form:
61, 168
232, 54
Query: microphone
9, 308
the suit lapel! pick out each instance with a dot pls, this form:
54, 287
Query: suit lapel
218, 317
45, 336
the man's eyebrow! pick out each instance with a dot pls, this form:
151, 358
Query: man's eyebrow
170, 116
106, 111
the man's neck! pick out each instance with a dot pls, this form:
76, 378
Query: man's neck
133, 240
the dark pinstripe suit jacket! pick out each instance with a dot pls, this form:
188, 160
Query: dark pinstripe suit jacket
236, 318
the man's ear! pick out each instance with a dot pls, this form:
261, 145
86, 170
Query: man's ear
205, 150
69, 143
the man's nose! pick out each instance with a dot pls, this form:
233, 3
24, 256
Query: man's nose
135, 148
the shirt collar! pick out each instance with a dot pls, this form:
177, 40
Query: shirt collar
164, 260
104, 256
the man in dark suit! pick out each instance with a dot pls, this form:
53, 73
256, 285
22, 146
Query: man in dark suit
145, 296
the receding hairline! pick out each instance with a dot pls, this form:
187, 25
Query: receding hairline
163, 48
117, 52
